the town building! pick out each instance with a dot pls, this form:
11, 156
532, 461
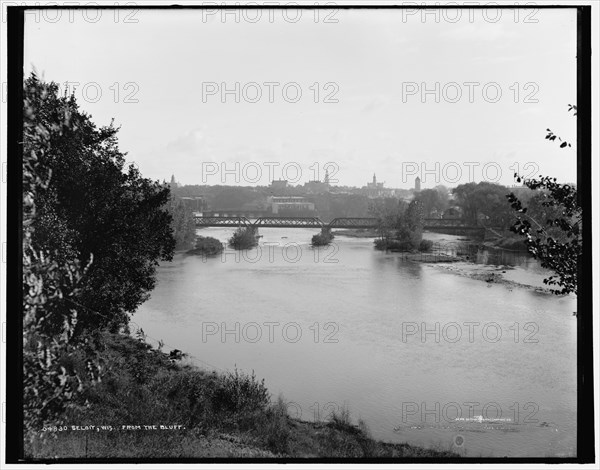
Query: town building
195, 203
375, 190
291, 205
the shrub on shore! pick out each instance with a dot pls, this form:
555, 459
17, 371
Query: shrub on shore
207, 246
425, 245
394, 245
243, 238
403, 245
322, 239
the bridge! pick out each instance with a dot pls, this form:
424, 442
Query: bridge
233, 220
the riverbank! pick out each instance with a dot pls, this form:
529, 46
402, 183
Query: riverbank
501, 275
152, 404
357, 233
504, 239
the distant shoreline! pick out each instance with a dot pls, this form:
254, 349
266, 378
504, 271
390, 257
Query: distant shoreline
356, 233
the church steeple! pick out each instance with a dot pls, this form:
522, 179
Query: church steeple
173, 183
374, 179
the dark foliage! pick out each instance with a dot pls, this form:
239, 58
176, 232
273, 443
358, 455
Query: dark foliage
96, 208
400, 227
322, 239
93, 232
555, 241
182, 223
425, 245
552, 225
484, 203
207, 246
243, 238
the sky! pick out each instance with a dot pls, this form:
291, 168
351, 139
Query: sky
244, 97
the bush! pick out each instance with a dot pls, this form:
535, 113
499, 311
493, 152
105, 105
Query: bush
380, 244
425, 245
322, 239
244, 238
207, 246
272, 428
238, 392
394, 245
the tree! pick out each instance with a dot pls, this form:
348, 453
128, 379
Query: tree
243, 238
234, 197
50, 285
388, 212
95, 208
182, 224
410, 226
485, 201
552, 229
432, 200
399, 224
557, 243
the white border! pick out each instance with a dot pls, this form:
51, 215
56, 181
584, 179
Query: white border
595, 224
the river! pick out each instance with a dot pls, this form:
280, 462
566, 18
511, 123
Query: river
420, 354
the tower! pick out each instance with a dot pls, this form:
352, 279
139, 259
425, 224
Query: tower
173, 183
326, 181
417, 184
374, 180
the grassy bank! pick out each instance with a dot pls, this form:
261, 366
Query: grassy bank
203, 415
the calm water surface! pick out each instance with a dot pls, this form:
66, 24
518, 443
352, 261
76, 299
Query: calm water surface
421, 355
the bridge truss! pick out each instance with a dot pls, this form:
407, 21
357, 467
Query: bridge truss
315, 222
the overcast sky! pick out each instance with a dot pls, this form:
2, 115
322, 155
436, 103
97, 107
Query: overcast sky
161, 79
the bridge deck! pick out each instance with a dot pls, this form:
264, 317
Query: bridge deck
315, 222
